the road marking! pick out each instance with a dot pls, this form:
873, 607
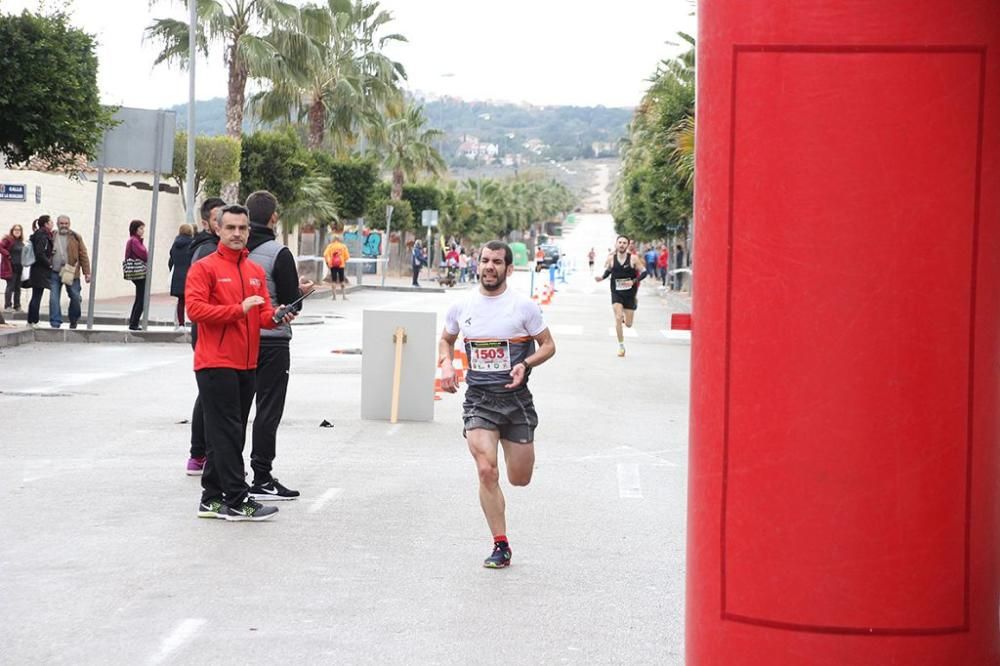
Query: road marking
630, 452
629, 484
629, 332
181, 634
321, 501
676, 335
566, 329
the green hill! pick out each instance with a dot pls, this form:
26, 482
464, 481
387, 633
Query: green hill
551, 133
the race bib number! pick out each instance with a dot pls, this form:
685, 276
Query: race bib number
623, 284
489, 356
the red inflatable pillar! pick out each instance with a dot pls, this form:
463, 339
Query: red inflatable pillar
845, 416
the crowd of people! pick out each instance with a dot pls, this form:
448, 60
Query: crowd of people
457, 264
52, 258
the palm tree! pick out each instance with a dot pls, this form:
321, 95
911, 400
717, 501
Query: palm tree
682, 138
238, 24
406, 146
312, 202
349, 79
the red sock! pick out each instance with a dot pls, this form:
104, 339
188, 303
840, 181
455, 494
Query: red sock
500, 537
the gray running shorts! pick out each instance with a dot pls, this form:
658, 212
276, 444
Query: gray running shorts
511, 413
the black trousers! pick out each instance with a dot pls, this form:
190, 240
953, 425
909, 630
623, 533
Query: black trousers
197, 429
35, 304
226, 396
12, 295
272, 387
140, 293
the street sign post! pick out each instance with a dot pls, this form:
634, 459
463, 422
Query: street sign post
13, 192
143, 140
429, 219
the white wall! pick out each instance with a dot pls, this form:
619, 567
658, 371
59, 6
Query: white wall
77, 199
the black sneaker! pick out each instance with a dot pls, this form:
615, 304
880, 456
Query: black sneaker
272, 491
500, 557
250, 510
211, 509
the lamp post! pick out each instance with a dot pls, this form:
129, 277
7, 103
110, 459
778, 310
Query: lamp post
192, 50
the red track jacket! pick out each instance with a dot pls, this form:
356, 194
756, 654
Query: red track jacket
214, 293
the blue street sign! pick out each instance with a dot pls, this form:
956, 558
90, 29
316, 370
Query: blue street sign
13, 192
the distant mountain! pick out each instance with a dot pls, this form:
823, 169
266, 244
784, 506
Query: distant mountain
478, 131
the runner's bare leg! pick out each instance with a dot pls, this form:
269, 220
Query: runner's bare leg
483, 446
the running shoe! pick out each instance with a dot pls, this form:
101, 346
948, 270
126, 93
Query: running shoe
273, 491
500, 557
212, 509
195, 466
621, 351
249, 511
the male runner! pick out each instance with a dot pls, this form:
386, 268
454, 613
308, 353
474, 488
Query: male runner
625, 270
500, 328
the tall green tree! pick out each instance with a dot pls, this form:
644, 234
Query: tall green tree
406, 145
216, 161
49, 102
348, 80
654, 196
274, 161
352, 182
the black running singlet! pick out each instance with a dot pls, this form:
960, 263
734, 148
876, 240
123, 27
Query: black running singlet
623, 277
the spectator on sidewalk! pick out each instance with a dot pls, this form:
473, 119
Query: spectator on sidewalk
69, 261
40, 273
417, 260
663, 264
651, 256
679, 262
274, 360
135, 253
336, 256
227, 295
11, 247
473, 265
205, 242
180, 262
463, 266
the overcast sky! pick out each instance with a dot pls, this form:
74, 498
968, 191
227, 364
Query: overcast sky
543, 52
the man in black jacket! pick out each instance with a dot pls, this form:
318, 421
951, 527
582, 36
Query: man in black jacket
203, 244
274, 360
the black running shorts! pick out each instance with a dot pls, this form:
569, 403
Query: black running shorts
626, 298
337, 275
512, 413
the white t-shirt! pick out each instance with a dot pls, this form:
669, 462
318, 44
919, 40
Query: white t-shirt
499, 333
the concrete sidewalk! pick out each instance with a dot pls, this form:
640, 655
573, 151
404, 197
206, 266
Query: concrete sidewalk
114, 312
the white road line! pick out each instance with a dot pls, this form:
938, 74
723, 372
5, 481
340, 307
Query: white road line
629, 484
676, 335
566, 329
181, 634
321, 501
629, 332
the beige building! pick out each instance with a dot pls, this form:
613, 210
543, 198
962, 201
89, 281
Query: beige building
128, 195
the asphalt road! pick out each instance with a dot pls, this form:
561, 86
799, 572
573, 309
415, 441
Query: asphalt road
103, 561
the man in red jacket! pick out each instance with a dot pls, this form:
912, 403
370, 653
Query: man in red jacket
226, 295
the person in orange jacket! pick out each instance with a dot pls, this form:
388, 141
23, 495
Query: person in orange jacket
336, 256
226, 295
